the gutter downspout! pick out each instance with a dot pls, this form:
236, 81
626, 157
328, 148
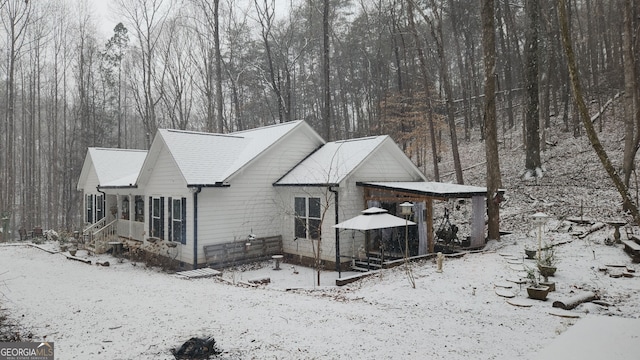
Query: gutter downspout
336, 205
195, 226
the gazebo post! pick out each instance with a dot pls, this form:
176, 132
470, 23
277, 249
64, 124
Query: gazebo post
429, 215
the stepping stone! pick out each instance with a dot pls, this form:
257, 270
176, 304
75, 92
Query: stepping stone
514, 261
519, 267
505, 254
522, 302
563, 313
504, 292
518, 280
503, 284
199, 273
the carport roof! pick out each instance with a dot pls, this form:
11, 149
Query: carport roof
430, 189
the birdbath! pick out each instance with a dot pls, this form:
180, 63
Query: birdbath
540, 219
616, 223
277, 258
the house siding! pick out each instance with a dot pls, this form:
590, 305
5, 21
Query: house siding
383, 165
166, 182
249, 205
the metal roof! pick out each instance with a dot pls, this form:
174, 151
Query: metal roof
431, 189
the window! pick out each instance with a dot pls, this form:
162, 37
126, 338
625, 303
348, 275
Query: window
156, 210
95, 208
139, 209
307, 220
89, 214
99, 207
177, 220
125, 207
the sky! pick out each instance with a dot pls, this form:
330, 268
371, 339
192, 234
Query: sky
107, 20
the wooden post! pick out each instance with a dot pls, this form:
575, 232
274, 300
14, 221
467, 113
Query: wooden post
430, 240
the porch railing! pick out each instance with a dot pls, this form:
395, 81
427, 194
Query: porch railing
89, 231
99, 239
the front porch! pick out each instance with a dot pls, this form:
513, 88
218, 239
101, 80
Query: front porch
97, 236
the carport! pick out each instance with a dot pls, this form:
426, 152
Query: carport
427, 193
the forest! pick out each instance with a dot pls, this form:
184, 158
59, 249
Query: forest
417, 70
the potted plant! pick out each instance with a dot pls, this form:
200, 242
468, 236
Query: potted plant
534, 289
547, 261
530, 252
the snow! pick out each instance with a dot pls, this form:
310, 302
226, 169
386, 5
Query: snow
333, 162
134, 312
127, 310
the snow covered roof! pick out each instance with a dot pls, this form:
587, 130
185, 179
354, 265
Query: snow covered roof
433, 189
333, 162
115, 167
206, 158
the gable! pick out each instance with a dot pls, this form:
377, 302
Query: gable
111, 167
338, 160
213, 159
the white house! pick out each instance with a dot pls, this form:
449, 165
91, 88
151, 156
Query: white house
210, 196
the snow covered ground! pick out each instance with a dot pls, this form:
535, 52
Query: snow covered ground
133, 312
128, 311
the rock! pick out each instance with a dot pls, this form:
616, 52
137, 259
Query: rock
197, 348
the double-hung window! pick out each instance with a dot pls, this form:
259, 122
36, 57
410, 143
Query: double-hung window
307, 219
156, 223
177, 220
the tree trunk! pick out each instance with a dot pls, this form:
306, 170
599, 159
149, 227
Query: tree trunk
326, 70
533, 165
427, 90
494, 181
631, 137
216, 41
436, 32
586, 120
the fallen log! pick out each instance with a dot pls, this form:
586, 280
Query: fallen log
595, 227
86, 261
574, 301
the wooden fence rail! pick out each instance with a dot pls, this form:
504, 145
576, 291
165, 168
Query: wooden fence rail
242, 252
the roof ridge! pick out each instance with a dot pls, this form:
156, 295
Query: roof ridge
360, 139
268, 126
193, 132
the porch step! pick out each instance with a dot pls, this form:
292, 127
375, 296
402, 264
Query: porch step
361, 269
371, 264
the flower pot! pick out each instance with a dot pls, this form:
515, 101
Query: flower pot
550, 284
546, 271
72, 252
531, 254
538, 293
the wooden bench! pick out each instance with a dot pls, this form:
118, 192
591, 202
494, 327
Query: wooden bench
242, 252
633, 249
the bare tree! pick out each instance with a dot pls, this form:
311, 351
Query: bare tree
436, 33
632, 115
15, 19
427, 88
494, 181
533, 164
627, 201
147, 20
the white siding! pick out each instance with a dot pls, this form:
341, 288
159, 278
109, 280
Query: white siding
166, 181
304, 247
249, 204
